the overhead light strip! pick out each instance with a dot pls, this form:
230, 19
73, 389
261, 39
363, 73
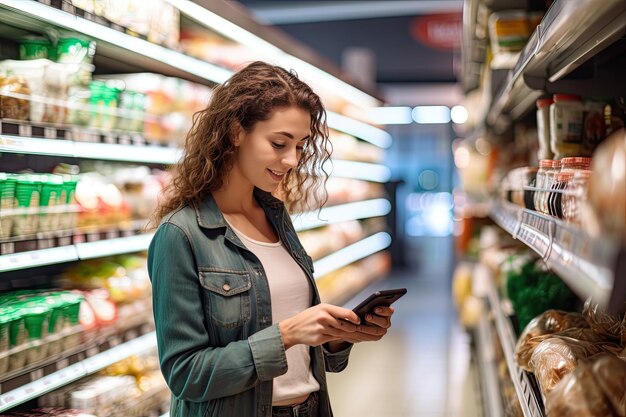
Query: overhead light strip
358, 170
341, 213
359, 129
352, 253
304, 69
97, 31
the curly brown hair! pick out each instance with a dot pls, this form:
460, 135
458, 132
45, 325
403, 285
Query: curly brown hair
249, 96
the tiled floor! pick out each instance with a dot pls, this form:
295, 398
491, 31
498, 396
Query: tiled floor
421, 367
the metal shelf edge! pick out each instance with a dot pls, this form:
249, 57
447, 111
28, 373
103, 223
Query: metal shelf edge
76, 371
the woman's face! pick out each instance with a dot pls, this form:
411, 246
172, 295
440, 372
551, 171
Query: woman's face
273, 147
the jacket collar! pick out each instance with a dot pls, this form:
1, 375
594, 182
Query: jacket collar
209, 215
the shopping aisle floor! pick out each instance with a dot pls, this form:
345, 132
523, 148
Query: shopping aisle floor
421, 367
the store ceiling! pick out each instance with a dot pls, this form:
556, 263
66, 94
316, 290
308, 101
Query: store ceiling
410, 40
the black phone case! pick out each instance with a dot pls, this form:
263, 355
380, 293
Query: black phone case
379, 298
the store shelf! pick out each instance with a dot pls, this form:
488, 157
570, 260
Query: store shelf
341, 213
160, 155
529, 398
487, 368
121, 47
75, 252
570, 34
31, 15
66, 373
589, 266
101, 151
351, 253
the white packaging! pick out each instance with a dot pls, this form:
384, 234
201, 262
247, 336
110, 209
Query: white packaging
566, 120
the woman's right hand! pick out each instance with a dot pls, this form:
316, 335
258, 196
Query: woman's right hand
318, 325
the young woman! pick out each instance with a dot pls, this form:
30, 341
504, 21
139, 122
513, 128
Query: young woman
240, 328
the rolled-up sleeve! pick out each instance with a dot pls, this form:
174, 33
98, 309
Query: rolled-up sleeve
336, 361
193, 368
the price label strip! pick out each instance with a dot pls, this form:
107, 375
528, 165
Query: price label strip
41, 386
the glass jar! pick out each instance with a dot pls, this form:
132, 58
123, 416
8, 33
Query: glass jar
555, 196
566, 120
575, 196
530, 176
544, 165
575, 163
543, 128
552, 167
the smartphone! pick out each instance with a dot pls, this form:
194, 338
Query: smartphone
379, 298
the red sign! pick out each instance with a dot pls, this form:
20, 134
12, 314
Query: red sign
438, 31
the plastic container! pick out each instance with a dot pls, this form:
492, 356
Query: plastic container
27, 193
31, 80
51, 189
566, 119
11, 107
7, 202
73, 50
508, 31
34, 47
543, 128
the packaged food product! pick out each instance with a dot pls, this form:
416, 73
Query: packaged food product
27, 193
566, 119
543, 128
561, 181
33, 72
547, 323
7, 202
12, 107
610, 326
607, 189
34, 47
575, 197
73, 50
559, 355
579, 394
545, 177
610, 374
594, 126
508, 31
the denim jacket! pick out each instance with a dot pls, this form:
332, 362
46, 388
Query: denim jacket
218, 348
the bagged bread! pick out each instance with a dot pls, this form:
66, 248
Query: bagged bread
558, 355
611, 326
610, 373
544, 325
578, 395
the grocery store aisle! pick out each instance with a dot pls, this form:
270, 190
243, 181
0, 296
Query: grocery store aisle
421, 368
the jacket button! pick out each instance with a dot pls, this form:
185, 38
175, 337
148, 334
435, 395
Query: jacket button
226, 287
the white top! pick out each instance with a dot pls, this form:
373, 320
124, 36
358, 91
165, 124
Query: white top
290, 293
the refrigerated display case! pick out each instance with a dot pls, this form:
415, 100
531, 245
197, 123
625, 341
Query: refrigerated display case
99, 133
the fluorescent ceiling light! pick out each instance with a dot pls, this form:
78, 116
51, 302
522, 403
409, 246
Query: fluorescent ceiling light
352, 253
58, 18
358, 170
319, 11
336, 214
431, 114
391, 115
272, 53
359, 129
459, 114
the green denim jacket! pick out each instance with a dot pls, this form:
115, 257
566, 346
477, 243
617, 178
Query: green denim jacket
217, 346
